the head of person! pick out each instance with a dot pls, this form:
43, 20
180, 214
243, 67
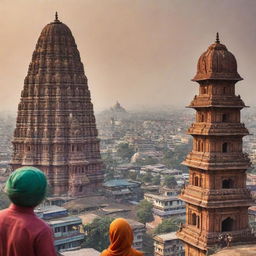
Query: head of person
26, 186
121, 237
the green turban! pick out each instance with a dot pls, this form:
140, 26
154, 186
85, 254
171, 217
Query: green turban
26, 186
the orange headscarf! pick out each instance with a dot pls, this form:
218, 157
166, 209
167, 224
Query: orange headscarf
121, 238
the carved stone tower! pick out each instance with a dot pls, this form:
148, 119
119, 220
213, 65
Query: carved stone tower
216, 197
56, 128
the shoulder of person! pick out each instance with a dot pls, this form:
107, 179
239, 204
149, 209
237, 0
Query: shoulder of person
104, 253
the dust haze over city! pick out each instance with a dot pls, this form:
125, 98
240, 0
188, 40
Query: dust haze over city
141, 53
94, 94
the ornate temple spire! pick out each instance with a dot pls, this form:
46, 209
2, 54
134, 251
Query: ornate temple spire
216, 197
217, 38
56, 16
55, 89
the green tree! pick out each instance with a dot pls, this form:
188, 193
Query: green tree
144, 211
147, 178
148, 244
170, 181
124, 150
147, 160
168, 225
110, 165
172, 159
156, 180
4, 200
97, 233
132, 175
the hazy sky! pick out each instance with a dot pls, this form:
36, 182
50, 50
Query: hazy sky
139, 52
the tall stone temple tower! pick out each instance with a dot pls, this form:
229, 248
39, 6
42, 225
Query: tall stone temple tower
56, 128
216, 197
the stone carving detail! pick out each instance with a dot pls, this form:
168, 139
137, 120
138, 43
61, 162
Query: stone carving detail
55, 129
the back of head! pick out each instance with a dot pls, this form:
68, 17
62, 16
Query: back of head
121, 239
26, 186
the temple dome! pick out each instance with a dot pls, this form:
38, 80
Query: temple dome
217, 63
56, 52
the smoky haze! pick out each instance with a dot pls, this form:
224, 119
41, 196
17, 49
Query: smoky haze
142, 53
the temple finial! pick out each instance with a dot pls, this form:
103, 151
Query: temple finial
217, 38
56, 16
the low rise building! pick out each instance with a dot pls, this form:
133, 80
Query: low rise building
66, 228
166, 206
138, 232
252, 218
168, 245
82, 252
123, 190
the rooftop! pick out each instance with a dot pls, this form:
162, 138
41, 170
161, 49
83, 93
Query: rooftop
167, 236
71, 219
82, 252
239, 250
135, 224
119, 182
162, 197
50, 209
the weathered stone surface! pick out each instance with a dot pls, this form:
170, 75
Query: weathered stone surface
56, 129
217, 63
217, 198
239, 250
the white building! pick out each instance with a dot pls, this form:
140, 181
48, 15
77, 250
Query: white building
66, 228
138, 232
82, 252
168, 245
166, 206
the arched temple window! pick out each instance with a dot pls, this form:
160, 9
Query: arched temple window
193, 220
196, 181
227, 183
202, 146
198, 221
227, 225
225, 147
224, 117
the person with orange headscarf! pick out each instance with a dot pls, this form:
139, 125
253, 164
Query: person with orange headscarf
121, 239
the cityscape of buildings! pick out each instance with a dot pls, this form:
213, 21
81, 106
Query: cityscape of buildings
181, 194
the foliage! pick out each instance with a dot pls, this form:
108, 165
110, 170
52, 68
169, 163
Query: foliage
170, 181
156, 180
124, 150
4, 201
144, 211
110, 165
173, 159
132, 175
148, 244
168, 225
108, 160
147, 178
97, 233
146, 161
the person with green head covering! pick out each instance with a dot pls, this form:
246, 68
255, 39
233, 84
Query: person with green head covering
22, 233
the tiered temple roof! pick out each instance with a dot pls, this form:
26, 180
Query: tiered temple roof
56, 129
217, 198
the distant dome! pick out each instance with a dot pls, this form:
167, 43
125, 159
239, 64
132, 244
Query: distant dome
118, 108
217, 63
